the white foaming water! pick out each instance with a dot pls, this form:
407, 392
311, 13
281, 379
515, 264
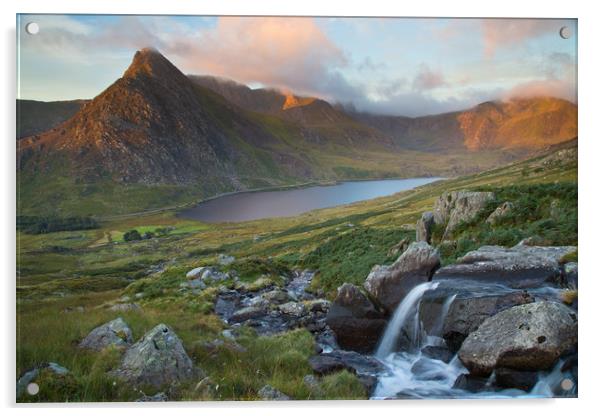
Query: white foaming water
411, 374
406, 316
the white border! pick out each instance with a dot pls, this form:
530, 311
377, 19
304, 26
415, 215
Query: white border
590, 108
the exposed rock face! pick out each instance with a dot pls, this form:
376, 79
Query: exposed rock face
528, 337
157, 359
268, 392
519, 267
466, 314
500, 212
390, 284
115, 333
424, 227
353, 318
459, 206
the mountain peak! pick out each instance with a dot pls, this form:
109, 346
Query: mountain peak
150, 62
291, 101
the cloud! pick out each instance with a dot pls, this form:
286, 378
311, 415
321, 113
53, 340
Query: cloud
291, 53
428, 79
504, 33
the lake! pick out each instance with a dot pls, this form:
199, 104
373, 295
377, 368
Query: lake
246, 206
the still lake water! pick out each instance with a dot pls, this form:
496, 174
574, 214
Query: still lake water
246, 206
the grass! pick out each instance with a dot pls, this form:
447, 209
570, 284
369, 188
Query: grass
94, 268
546, 213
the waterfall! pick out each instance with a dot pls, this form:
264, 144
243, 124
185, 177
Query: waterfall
406, 315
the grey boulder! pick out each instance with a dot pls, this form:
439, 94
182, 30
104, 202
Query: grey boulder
453, 208
521, 266
527, 337
390, 284
268, 392
156, 360
112, 334
355, 321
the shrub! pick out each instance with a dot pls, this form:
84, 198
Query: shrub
132, 235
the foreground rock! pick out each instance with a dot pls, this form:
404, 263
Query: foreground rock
453, 208
268, 392
390, 284
112, 334
156, 360
364, 367
528, 337
465, 315
356, 322
521, 266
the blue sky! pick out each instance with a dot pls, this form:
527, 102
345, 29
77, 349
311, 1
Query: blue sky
402, 66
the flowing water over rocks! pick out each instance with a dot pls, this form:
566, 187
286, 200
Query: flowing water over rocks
423, 367
272, 310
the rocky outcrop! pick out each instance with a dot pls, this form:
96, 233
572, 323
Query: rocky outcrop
354, 319
156, 360
528, 337
424, 227
390, 284
521, 266
112, 334
500, 212
453, 208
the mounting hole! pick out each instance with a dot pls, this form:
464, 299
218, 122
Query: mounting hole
567, 384
565, 32
33, 389
32, 28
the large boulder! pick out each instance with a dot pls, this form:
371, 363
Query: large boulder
156, 360
527, 337
521, 266
112, 334
424, 227
390, 284
355, 321
453, 208
465, 315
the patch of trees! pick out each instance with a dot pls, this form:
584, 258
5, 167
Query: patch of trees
51, 224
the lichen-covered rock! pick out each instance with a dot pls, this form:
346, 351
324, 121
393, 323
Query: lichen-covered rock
249, 312
453, 208
527, 337
521, 266
390, 284
294, 309
354, 319
156, 360
112, 334
424, 227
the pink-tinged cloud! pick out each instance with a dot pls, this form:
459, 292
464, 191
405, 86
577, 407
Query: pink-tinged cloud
503, 33
292, 53
544, 88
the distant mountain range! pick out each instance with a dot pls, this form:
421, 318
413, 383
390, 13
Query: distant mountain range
158, 131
